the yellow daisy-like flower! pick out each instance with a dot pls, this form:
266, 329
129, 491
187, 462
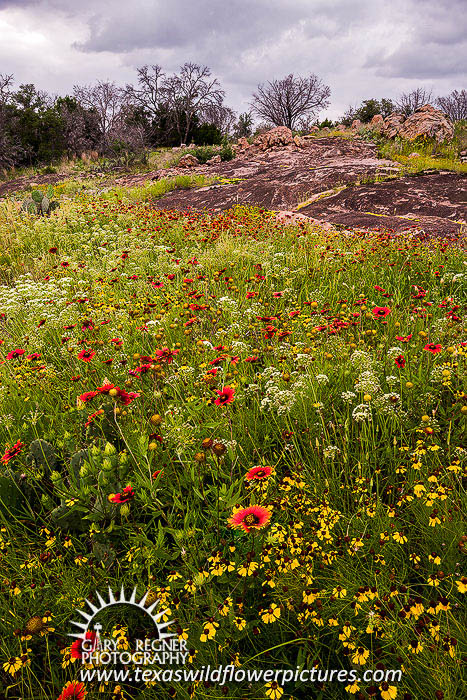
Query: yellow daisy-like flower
248, 568
273, 690
239, 622
339, 592
209, 630
271, 614
462, 585
360, 656
388, 692
415, 647
352, 689
13, 665
399, 537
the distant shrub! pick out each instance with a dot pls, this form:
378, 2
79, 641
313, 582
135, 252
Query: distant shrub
207, 134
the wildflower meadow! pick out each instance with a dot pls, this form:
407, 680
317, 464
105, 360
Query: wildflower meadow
260, 425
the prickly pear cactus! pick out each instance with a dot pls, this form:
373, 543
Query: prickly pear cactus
42, 455
77, 461
39, 203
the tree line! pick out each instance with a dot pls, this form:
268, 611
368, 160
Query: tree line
168, 110
453, 105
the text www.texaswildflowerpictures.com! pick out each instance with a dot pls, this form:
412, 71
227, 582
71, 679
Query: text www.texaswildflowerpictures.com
230, 674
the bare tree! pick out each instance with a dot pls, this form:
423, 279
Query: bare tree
150, 94
221, 116
6, 82
106, 100
129, 135
284, 102
408, 102
454, 105
81, 131
190, 92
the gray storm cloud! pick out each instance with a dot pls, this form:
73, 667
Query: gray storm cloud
360, 48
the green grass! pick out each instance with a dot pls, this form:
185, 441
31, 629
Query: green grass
338, 365
154, 190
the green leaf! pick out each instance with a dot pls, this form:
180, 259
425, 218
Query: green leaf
104, 554
11, 497
37, 196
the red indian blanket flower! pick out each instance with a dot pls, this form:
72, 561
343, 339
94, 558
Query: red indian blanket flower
253, 517
77, 649
124, 396
381, 311
126, 495
73, 690
225, 396
404, 339
400, 361
11, 452
433, 348
86, 355
166, 355
15, 353
258, 473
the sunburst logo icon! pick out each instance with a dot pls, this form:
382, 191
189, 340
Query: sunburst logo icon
153, 611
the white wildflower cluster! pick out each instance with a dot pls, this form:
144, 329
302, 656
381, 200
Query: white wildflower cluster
439, 327
368, 382
181, 435
271, 373
331, 451
391, 379
250, 390
322, 379
228, 304
451, 277
280, 401
360, 359
436, 374
239, 346
303, 359
362, 413
31, 296
394, 352
186, 372
387, 403
348, 396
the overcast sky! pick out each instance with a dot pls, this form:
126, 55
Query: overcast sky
360, 48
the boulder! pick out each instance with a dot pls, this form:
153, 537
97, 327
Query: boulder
356, 124
377, 122
279, 137
414, 154
242, 143
392, 125
427, 121
313, 130
299, 141
188, 161
215, 159
341, 127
